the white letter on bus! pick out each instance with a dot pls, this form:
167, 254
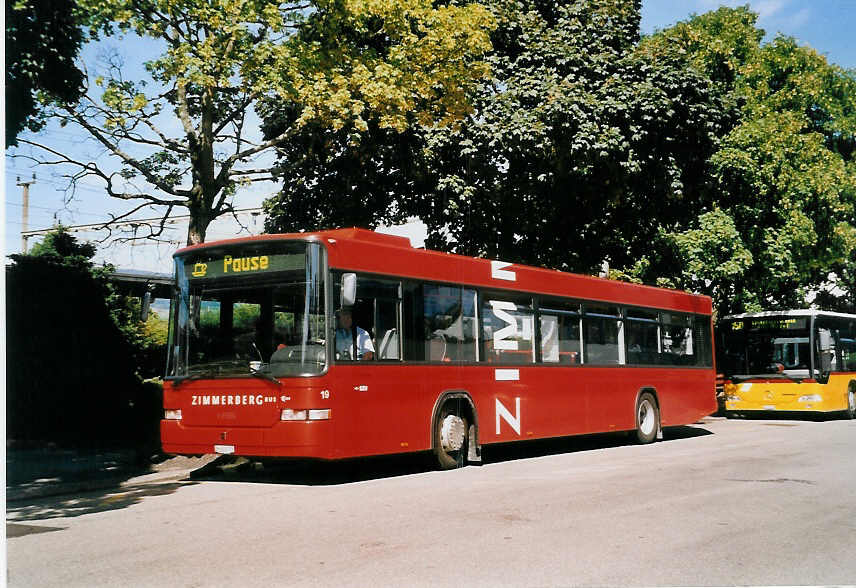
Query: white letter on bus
498, 271
513, 420
500, 336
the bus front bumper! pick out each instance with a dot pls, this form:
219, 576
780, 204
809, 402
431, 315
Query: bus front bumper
285, 439
789, 397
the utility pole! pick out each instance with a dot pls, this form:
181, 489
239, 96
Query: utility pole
25, 210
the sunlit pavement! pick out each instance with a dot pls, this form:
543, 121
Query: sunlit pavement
718, 503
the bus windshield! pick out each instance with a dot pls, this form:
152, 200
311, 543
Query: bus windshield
253, 309
766, 347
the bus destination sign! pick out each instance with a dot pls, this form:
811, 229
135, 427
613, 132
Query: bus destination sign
228, 265
771, 323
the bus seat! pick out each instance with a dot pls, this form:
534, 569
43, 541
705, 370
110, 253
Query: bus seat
437, 348
389, 345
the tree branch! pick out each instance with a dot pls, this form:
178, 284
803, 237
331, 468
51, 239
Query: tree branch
150, 177
91, 169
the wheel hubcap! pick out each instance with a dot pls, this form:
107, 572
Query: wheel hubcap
646, 418
851, 400
452, 433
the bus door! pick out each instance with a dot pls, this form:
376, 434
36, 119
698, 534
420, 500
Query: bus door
369, 379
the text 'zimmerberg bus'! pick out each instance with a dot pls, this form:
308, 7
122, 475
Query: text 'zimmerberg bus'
350, 343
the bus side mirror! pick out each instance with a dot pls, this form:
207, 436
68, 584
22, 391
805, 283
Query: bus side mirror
349, 290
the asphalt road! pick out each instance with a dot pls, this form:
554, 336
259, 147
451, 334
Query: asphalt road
719, 503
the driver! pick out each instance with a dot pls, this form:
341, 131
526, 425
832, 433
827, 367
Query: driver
350, 337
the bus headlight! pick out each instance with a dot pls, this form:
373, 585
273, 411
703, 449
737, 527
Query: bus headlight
811, 398
319, 414
293, 415
172, 414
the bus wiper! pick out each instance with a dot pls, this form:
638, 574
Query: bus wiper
214, 369
264, 375
179, 380
791, 378
784, 376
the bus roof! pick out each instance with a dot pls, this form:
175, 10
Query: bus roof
361, 250
791, 312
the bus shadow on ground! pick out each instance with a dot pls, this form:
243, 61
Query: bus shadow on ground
323, 473
306, 472
560, 445
77, 504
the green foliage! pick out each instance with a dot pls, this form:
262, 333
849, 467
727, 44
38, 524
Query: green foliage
331, 179
217, 60
783, 174
575, 140
713, 259
246, 316
63, 247
156, 331
717, 44
42, 40
145, 343
695, 158
73, 362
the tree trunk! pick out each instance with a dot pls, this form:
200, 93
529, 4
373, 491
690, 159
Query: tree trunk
198, 226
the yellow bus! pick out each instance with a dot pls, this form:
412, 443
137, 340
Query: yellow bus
793, 361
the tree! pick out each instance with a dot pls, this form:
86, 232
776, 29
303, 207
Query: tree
578, 148
696, 158
785, 187
583, 147
221, 58
329, 179
71, 370
42, 40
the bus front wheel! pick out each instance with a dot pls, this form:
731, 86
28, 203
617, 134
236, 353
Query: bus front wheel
647, 418
450, 437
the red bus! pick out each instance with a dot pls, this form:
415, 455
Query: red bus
449, 353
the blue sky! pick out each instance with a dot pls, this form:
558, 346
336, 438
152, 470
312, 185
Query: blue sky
826, 25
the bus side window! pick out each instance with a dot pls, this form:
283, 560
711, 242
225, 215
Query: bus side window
440, 323
677, 339
643, 337
602, 334
847, 343
376, 311
549, 338
826, 350
560, 331
387, 329
508, 329
701, 341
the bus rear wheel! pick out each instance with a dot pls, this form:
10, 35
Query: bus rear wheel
450, 437
647, 418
